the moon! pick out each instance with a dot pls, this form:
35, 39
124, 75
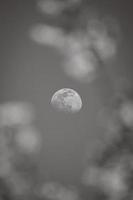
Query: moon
66, 100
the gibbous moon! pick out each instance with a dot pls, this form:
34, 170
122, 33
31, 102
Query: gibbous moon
66, 100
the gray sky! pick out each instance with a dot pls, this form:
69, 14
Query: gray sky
33, 73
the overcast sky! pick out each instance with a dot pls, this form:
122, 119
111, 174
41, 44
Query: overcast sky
29, 72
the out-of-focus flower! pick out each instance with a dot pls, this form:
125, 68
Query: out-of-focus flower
118, 113
103, 41
126, 113
105, 46
16, 113
54, 190
50, 7
81, 66
55, 7
28, 139
113, 182
47, 35
110, 181
80, 63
